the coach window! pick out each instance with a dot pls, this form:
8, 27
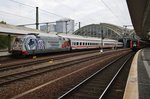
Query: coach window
80, 43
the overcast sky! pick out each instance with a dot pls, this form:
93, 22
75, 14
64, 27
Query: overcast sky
85, 11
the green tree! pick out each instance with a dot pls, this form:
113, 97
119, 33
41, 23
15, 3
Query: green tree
3, 22
3, 42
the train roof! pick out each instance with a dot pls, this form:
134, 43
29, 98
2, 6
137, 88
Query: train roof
78, 37
82, 37
44, 34
71, 36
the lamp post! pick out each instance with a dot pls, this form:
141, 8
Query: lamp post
37, 18
101, 50
124, 36
66, 26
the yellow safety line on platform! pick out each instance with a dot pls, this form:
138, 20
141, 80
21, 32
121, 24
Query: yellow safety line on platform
131, 90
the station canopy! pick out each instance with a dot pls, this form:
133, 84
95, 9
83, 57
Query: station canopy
92, 30
107, 31
7, 29
140, 15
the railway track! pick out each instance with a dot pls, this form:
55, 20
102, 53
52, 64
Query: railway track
5, 59
11, 58
27, 62
11, 77
48, 83
99, 84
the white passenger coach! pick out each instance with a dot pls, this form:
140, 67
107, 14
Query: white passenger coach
33, 43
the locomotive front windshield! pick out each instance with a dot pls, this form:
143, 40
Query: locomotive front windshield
134, 43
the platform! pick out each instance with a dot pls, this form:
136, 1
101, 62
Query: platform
138, 84
4, 53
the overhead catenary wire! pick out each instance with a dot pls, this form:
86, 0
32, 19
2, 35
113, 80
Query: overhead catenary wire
70, 8
50, 13
39, 8
88, 18
16, 15
110, 10
120, 8
21, 3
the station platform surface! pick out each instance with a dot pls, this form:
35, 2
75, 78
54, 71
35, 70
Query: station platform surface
4, 53
138, 83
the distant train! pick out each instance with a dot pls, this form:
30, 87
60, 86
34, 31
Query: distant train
135, 45
138, 44
44, 43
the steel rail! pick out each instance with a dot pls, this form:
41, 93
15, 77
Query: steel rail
6, 79
74, 88
113, 79
5, 68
